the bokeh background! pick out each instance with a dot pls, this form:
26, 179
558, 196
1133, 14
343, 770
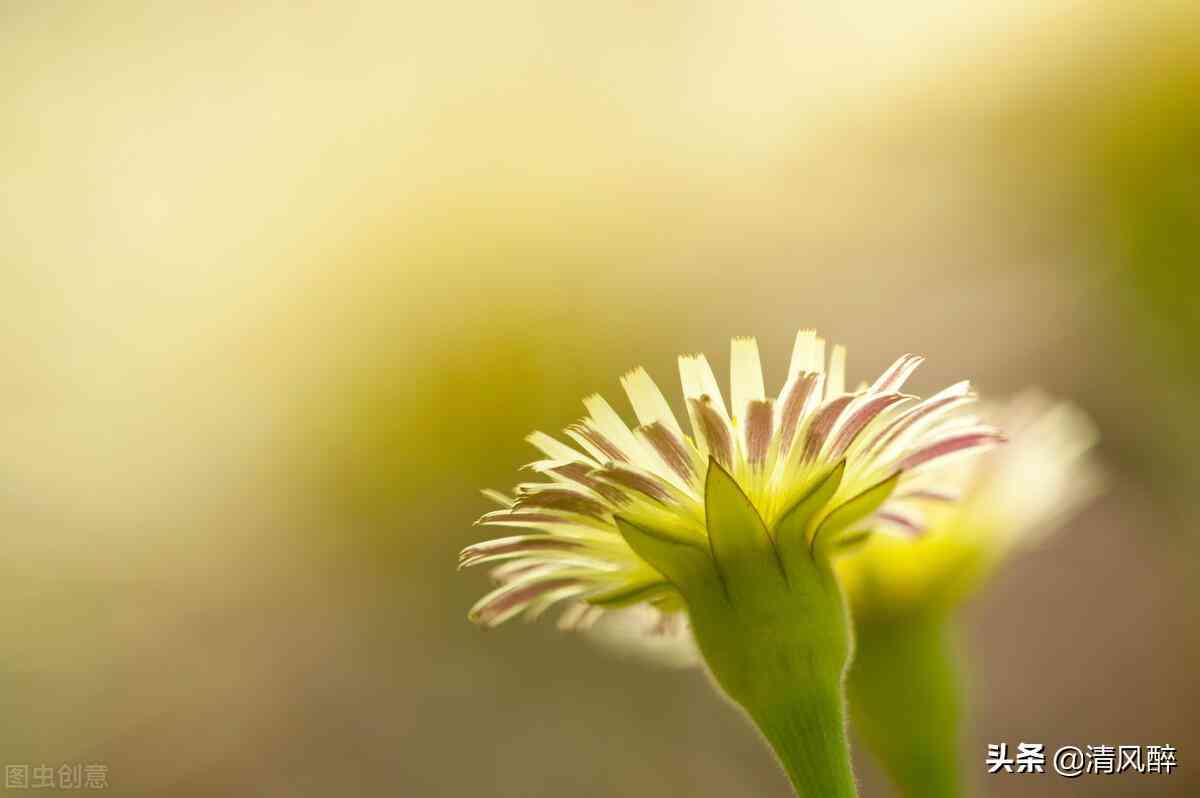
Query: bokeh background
282, 285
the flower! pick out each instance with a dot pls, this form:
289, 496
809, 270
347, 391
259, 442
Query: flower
1006, 500
851, 461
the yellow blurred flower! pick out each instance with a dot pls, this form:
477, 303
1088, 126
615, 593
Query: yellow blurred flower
1004, 500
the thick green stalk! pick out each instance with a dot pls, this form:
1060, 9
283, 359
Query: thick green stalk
906, 700
807, 732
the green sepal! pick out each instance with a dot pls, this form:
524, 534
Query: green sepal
791, 531
687, 565
742, 548
852, 510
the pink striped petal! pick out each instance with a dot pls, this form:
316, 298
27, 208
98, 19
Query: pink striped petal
860, 418
670, 448
518, 518
515, 545
760, 417
823, 424
795, 401
580, 473
933, 406
626, 477
599, 446
950, 445
897, 374
499, 606
712, 426
564, 500
510, 570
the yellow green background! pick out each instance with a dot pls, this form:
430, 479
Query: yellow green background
283, 285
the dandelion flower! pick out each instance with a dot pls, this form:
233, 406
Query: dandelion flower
859, 460
991, 507
727, 531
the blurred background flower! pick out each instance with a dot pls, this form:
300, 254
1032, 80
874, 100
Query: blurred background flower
906, 685
284, 286
991, 507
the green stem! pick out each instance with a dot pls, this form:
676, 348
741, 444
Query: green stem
906, 701
808, 735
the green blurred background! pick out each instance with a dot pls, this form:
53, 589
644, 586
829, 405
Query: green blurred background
283, 285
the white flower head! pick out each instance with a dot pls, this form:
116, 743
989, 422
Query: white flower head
1030, 487
856, 460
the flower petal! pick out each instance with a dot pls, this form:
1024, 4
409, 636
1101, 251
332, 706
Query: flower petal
648, 402
745, 376
955, 443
